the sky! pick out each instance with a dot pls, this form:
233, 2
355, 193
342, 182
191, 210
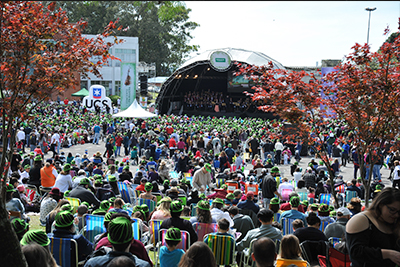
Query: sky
294, 33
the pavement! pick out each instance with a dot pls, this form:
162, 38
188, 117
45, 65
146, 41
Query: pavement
346, 171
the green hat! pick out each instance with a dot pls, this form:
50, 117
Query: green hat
73, 161
305, 202
32, 153
66, 193
166, 182
202, 196
120, 231
203, 205
230, 196
111, 200
176, 206
84, 181
224, 186
274, 200
67, 207
111, 178
165, 199
19, 225
332, 213
314, 205
67, 167
99, 181
10, 188
294, 201
64, 218
27, 166
218, 200
378, 187
151, 159
229, 145
37, 158
104, 205
86, 204
148, 186
207, 166
331, 208
173, 234
107, 217
323, 208
37, 236
296, 163
126, 167
144, 208
274, 169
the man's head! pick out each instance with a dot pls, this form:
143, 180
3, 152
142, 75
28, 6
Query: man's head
296, 224
207, 168
265, 216
223, 225
264, 252
237, 193
274, 171
250, 195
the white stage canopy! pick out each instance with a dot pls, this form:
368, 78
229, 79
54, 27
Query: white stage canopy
135, 111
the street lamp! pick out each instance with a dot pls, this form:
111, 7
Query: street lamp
369, 9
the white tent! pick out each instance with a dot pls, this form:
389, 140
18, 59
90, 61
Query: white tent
135, 111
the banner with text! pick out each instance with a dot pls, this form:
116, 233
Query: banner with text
128, 84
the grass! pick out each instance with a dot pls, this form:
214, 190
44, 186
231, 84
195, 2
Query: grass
34, 224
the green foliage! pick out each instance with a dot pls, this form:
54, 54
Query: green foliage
162, 27
114, 99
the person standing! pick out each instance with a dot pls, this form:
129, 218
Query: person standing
396, 176
96, 130
55, 143
268, 186
278, 152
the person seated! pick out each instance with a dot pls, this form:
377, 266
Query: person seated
249, 203
102, 210
65, 228
219, 192
264, 252
324, 212
222, 229
290, 250
117, 206
140, 187
294, 213
148, 195
170, 255
286, 206
312, 232
194, 197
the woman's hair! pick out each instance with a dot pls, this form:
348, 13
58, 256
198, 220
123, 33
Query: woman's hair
165, 207
290, 248
118, 202
69, 155
386, 196
313, 219
60, 203
355, 204
38, 256
301, 184
198, 255
112, 169
203, 216
274, 207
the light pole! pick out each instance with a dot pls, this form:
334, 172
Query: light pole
369, 9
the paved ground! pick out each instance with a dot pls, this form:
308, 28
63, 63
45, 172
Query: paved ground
347, 171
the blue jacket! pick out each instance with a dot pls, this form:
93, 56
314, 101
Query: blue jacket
101, 261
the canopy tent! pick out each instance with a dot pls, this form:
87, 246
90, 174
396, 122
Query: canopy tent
82, 92
135, 111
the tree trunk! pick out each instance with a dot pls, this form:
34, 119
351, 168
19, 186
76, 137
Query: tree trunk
10, 248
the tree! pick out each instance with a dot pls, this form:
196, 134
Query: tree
366, 89
162, 27
41, 53
362, 93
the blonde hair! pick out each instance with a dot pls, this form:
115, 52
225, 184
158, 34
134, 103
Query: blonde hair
290, 248
165, 207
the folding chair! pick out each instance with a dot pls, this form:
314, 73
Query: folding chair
32, 192
277, 216
173, 175
216, 164
286, 262
75, 202
184, 244
93, 225
223, 248
325, 198
219, 182
350, 195
340, 189
203, 229
335, 258
311, 249
123, 190
150, 203
193, 209
287, 227
136, 229
64, 251
154, 228
323, 225
302, 195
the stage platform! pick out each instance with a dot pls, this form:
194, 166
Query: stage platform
257, 114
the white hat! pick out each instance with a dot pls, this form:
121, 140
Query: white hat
344, 211
331, 134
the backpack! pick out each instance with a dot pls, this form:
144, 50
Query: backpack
99, 252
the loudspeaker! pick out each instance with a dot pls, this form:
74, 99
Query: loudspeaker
143, 84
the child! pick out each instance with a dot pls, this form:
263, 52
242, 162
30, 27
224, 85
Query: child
222, 229
170, 256
312, 193
134, 156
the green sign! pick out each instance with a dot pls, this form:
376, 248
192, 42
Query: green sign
128, 84
220, 60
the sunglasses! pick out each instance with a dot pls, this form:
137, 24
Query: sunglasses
393, 211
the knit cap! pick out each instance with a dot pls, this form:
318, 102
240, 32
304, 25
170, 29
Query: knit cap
112, 178
19, 225
64, 218
120, 231
67, 207
173, 234
84, 181
38, 236
145, 208
323, 208
218, 200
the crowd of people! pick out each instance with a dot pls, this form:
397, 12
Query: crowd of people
214, 170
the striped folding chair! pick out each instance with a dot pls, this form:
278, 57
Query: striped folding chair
323, 225
219, 182
287, 227
340, 189
93, 225
334, 240
325, 198
150, 203
154, 230
136, 229
350, 195
75, 202
302, 195
173, 175
203, 229
223, 248
64, 251
193, 210
277, 216
32, 192
123, 189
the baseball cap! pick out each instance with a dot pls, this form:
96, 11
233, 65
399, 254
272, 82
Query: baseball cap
207, 166
237, 192
250, 194
343, 210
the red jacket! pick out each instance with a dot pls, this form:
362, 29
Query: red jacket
172, 142
219, 193
118, 141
